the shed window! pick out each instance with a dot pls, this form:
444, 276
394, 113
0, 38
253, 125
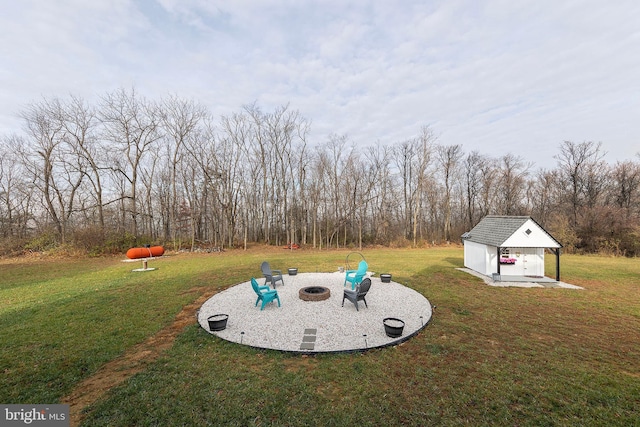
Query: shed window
528, 232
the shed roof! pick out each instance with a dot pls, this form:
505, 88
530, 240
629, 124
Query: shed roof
495, 230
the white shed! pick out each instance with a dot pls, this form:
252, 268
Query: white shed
509, 246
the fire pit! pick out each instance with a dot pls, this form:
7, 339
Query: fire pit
314, 293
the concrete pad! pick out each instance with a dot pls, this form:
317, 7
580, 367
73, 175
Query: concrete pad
521, 282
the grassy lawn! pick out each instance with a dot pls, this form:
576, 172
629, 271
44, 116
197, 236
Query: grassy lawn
491, 356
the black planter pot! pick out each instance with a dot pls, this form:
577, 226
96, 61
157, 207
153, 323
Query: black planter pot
393, 327
218, 322
293, 271
386, 278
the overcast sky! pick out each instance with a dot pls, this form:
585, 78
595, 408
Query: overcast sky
495, 76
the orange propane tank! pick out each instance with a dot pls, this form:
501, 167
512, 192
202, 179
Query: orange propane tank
135, 253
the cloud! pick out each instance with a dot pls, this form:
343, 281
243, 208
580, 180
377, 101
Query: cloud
492, 76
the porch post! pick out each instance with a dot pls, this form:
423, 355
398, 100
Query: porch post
498, 260
557, 251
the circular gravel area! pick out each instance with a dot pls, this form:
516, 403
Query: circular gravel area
317, 326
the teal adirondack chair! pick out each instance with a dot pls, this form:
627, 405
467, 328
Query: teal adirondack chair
355, 276
264, 294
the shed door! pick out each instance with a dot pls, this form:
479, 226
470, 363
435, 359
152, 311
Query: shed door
531, 262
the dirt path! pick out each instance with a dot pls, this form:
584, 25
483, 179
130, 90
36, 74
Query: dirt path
133, 361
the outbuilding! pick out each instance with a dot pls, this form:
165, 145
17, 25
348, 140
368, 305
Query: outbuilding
509, 246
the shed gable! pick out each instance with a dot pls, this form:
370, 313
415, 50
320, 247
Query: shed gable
531, 235
513, 231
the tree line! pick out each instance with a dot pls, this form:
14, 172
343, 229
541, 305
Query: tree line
126, 170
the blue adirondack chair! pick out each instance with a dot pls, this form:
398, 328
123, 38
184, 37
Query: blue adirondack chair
265, 294
355, 276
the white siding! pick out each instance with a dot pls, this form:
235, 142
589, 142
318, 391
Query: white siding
477, 257
536, 238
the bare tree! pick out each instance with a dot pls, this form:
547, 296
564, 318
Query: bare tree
226, 162
488, 188
473, 165
80, 124
180, 119
131, 126
317, 191
404, 160
448, 158
626, 186
153, 199
337, 159
544, 196
413, 158
511, 184
297, 162
56, 171
262, 158
300, 166
197, 197
286, 132
16, 192
381, 192
577, 163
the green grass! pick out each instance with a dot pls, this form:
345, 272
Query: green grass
491, 356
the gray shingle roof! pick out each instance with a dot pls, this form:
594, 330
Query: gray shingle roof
495, 230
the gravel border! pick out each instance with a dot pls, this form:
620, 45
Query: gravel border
317, 326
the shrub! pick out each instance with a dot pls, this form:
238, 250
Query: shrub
42, 242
